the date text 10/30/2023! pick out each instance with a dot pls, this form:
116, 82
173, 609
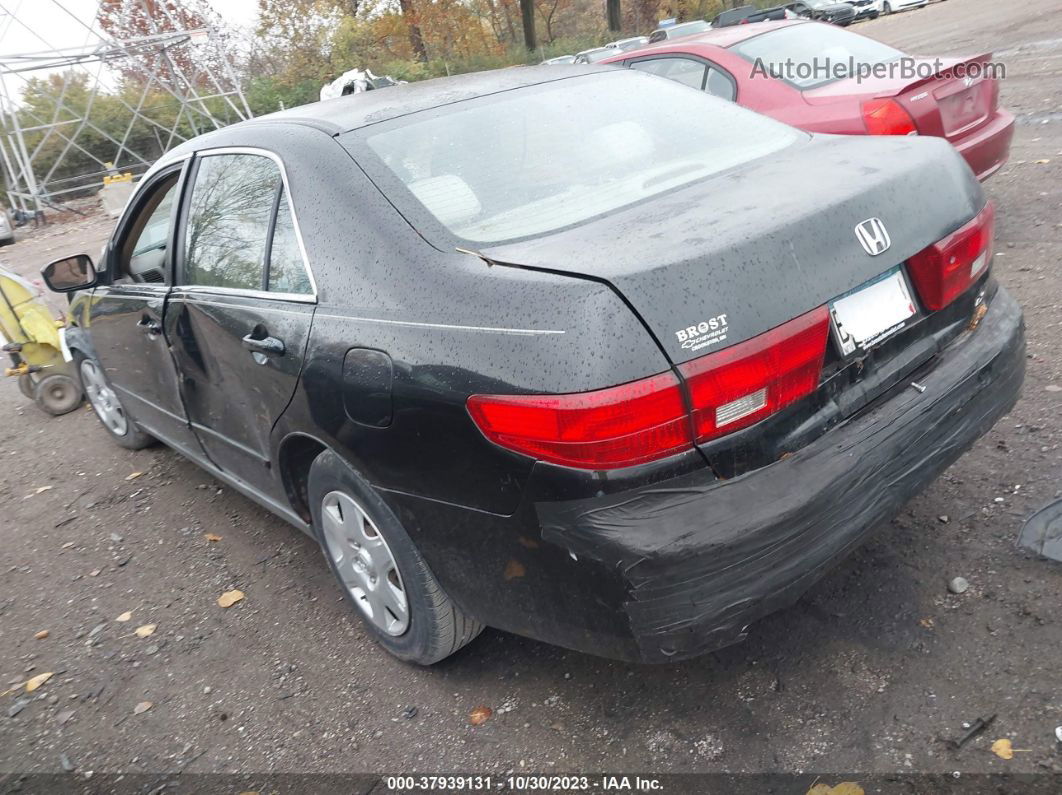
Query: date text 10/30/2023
522, 783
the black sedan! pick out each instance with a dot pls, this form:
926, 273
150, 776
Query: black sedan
572, 352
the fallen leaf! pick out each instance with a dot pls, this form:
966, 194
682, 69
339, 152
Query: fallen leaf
926, 622
145, 630
844, 788
480, 715
143, 706
1043, 162
1004, 749
41, 489
37, 681
124, 616
514, 569
133, 475
229, 598
42, 634
211, 537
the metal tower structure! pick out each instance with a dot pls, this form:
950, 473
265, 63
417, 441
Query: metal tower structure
208, 96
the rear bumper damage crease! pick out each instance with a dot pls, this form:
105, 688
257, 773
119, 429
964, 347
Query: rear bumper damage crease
704, 558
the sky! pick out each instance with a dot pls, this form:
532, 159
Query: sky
28, 26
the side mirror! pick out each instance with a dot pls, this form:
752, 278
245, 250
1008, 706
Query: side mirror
69, 274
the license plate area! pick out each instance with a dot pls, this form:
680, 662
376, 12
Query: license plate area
872, 312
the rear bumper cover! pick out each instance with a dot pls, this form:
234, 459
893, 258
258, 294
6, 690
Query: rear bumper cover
987, 148
702, 558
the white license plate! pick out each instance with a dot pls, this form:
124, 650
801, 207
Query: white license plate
872, 312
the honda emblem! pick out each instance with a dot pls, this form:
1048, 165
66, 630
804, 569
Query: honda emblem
873, 236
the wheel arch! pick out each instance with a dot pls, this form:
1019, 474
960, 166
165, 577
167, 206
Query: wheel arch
295, 456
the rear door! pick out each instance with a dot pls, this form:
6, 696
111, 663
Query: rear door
239, 315
126, 311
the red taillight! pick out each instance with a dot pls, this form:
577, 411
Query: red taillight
741, 385
944, 271
606, 429
887, 117
645, 420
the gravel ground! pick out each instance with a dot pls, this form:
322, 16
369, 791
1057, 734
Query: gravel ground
873, 671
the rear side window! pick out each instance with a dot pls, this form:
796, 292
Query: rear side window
811, 55
240, 232
228, 221
682, 70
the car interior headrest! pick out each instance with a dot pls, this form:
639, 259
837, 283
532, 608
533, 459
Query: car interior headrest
448, 197
619, 143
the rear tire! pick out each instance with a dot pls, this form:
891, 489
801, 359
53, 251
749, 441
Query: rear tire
58, 394
382, 574
104, 401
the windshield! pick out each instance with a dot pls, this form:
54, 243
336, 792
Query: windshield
811, 55
535, 160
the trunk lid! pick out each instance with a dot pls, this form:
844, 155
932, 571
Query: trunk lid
945, 103
749, 249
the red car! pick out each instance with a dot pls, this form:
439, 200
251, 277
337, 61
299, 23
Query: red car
824, 79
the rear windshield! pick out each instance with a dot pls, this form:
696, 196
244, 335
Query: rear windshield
812, 55
535, 160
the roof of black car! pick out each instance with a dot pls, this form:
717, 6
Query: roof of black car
359, 110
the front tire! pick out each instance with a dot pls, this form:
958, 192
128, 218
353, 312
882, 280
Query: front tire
104, 401
381, 572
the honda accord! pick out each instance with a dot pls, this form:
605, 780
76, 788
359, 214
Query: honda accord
571, 352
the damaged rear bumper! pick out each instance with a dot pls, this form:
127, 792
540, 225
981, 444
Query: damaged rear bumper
702, 558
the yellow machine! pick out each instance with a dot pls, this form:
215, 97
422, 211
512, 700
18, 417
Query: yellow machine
30, 335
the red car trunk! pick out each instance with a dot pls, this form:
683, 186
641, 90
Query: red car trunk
948, 104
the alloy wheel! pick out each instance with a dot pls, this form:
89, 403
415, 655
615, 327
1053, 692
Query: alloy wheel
103, 400
364, 563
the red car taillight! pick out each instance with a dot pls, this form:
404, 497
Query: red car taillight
741, 385
887, 117
645, 420
606, 429
944, 271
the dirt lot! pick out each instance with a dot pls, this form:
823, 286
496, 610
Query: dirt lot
870, 672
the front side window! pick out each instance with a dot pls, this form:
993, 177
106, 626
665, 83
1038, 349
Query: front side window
143, 244
228, 221
559, 154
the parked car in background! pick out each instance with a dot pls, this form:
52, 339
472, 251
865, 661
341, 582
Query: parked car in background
626, 380
893, 6
594, 55
748, 63
632, 43
560, 60
7, 228
678, 31
866, 9
824, 11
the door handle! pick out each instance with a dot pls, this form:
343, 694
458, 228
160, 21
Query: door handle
149, 326
267, 345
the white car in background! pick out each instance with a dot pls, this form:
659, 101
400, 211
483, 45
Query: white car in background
893, 6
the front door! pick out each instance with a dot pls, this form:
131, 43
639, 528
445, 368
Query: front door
239, 315
126, 313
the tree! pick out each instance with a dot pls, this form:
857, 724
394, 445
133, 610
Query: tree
527, 15
416, 38
613, 15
